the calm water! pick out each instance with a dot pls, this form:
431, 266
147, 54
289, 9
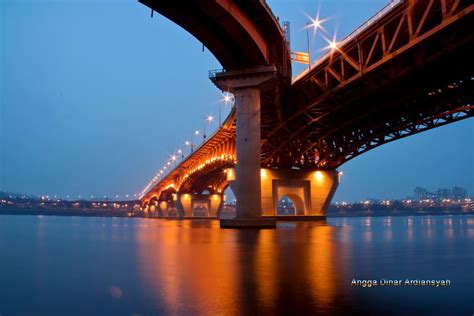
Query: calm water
119, 266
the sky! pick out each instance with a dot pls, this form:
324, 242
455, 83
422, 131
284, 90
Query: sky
96, 95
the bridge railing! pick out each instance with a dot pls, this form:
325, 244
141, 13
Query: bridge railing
374, 18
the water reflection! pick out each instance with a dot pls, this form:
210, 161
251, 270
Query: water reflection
149, 267
238, 270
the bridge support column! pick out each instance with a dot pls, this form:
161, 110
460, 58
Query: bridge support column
200, 205
310, 191
153, 209
162, 209
246, 87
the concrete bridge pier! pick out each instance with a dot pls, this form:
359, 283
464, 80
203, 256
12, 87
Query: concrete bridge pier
167, 209
311, 191
246, 85
199, 205
152, 210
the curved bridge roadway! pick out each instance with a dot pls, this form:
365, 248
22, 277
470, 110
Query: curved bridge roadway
406, 70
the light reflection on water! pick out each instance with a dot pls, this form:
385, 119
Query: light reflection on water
102, 266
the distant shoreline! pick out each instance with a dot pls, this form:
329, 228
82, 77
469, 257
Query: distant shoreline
127, 213
65, 212
397, 214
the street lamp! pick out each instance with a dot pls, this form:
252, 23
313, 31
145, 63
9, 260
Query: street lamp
196, 133
308, 25
315, 24
209, 119
227, 98
180, 152
191, 145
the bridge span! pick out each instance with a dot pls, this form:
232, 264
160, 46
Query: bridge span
406, 70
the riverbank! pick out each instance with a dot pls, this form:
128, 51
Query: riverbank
128, 213
66, 212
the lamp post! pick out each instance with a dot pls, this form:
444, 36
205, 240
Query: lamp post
196, 133
308, 24
174, 159
209, 119
227, 98
191, 145
315, 24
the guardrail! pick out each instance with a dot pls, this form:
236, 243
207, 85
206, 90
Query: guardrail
213, 73
377, 16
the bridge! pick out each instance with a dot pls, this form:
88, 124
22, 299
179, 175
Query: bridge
406, 70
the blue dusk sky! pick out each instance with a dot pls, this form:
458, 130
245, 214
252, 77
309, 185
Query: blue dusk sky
96, 95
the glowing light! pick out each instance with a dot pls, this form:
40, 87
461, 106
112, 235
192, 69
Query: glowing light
173, 158
196, 132
227, 98
210, 118
319, 175
263, 173
315, 23
332, 43
180, 151
187, 143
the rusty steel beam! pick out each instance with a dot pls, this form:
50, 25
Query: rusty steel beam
368, 49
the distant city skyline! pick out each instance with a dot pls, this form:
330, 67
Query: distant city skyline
95, 98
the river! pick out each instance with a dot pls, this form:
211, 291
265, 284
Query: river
53, 265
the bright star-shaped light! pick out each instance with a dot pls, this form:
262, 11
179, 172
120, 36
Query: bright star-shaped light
316, 23
227, 98
332, 43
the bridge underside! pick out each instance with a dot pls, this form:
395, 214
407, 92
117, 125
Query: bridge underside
240, 35
433, 95
339, 112
408, 72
